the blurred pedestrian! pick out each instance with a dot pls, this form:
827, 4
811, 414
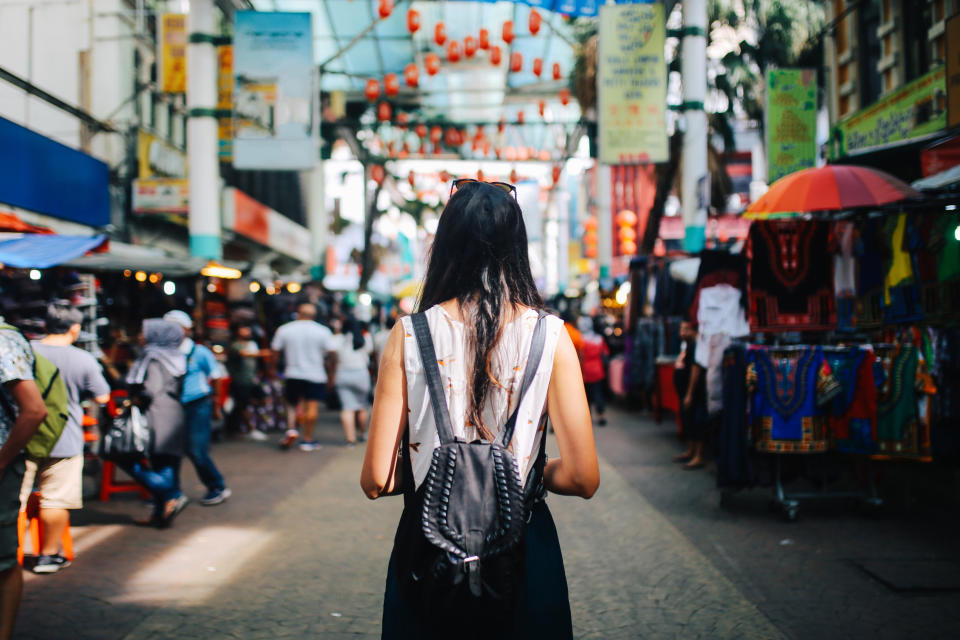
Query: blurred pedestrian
200, 406
691, 388
304, 345
243, 359
350, 376
59, 476
22, 409
156, 382
594, 355
481, 306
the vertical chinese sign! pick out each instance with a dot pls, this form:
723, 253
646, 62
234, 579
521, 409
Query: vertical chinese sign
273, 69
791, 121
173, 53
632, 84
225, 101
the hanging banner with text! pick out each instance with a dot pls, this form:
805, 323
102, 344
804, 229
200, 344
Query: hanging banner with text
632, 84
273, 72
791, 121
173, 53
225, 101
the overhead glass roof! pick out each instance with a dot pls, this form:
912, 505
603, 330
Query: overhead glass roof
472, 90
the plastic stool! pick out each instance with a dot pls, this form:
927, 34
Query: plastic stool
110, 486
29, 518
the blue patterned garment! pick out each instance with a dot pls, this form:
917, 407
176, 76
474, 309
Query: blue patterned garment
16, 363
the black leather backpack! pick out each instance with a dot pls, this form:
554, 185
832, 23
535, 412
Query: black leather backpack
460, 545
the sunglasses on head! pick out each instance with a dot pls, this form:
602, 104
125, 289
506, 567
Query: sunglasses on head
459, 182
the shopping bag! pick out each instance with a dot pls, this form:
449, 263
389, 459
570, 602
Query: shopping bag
128, 438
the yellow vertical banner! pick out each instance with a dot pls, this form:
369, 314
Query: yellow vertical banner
173, 53
225, 101
632, 84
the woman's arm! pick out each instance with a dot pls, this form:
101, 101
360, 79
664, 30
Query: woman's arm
380, 475
576, 472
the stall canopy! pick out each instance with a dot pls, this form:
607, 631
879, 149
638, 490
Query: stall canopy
122, 256
41, 251
10, 223
940, 180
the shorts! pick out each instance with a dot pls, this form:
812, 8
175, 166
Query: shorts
353, 389
10, 481
59, 481
296, 390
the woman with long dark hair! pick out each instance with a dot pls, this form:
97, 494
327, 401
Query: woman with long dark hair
481, 305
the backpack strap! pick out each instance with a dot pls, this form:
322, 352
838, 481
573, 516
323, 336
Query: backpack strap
533, 363
428, 357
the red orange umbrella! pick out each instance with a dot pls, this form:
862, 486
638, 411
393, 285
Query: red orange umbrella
836, 187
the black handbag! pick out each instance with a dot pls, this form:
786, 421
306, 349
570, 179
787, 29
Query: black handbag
460, 545
128, 438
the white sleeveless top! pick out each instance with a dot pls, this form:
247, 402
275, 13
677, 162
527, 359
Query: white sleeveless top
507, 364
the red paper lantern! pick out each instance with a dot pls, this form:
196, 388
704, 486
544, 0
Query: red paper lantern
541, 107
519, 117
516, 61
564, 97
436, 133
501, 126
384, 111
413, 20
495, 55
523, 153
421, 131
590, 238
403, 118
411, 75
484, 39
440, 34
452, 137
391, 84
626, 218
514, 176
378, 174
469, 46
445, 176
590, 224
480, 175
385, 8
411, 177
556, 171
453, 51
432, 63
543, 156
537, 66
534, 22
486, 147
390, 148
406, 149
508, 34
590, 252
627, 234
372, 90
556, 70
628, 248
510, 153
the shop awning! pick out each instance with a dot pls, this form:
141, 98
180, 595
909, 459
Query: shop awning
10, 222
41, 251
938, 180
122, 256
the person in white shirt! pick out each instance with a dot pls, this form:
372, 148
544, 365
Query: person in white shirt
350, 376
304, 345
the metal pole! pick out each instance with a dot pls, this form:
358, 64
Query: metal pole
604, 220
695, 185
202, 150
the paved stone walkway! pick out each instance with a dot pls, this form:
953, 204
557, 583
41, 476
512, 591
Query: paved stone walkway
298, 552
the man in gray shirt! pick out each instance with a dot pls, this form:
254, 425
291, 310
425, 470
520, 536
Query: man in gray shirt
60, 476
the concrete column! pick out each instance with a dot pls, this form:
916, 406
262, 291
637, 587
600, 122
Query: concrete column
202, 151
604, 220
317, 219
695, 185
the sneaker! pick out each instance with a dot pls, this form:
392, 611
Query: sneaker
171, 510
257, 435
215, 497
309, 445
602, 422
50, 564
362, 437
289, 438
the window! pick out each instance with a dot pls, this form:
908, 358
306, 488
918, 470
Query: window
916, 20
868, 53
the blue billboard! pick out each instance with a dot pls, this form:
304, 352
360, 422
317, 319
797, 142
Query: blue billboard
41, 175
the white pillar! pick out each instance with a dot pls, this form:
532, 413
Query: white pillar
317, 219
604, 220
695, 185
202, 151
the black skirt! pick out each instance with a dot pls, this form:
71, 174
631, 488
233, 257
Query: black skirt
543, 610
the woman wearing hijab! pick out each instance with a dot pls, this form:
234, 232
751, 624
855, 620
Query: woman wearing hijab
155, 380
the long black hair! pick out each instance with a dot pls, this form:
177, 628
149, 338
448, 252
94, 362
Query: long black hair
480, 259
354, 328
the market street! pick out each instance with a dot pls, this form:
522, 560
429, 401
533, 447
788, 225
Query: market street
298, 552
